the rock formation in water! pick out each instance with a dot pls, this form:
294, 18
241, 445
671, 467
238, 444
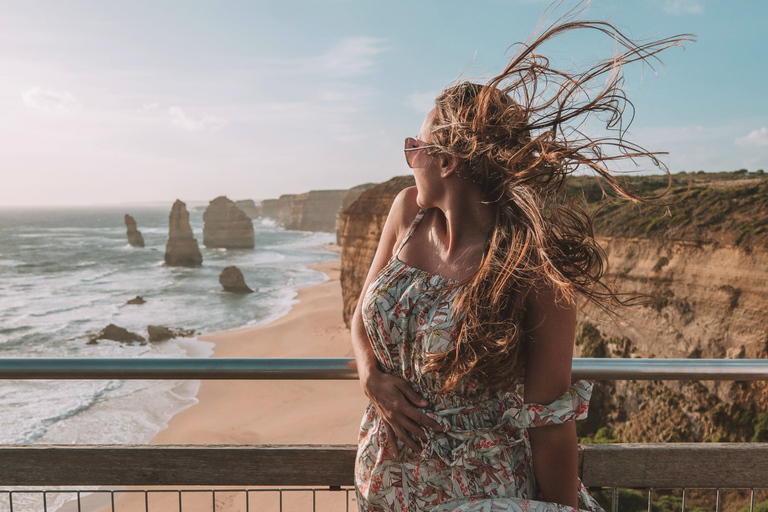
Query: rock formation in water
361, 226
136, 301
703, 268
249, 207
182, 249
232, 280
226, 226
159, 333
350, 197
134, 235
269, 208
115, 333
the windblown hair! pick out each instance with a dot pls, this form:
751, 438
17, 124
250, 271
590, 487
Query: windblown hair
518, 138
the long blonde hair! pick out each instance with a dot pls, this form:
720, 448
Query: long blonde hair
518, 137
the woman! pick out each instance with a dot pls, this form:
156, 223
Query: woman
472, 293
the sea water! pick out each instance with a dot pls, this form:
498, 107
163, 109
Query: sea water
65, 273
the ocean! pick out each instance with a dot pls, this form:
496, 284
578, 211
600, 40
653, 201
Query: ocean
66, 273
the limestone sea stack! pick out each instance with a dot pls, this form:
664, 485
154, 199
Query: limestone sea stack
232, 280
227, 226
134, 235
182, 249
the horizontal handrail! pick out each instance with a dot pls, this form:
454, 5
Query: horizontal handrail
339, 368
673, 465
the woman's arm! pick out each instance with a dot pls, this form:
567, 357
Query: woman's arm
550, 327
392, 396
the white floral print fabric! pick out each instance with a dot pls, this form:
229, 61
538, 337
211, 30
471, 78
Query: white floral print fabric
481, 461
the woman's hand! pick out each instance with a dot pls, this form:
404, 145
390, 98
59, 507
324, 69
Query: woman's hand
397, 402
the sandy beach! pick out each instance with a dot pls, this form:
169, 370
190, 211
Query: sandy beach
279, 412
272, 412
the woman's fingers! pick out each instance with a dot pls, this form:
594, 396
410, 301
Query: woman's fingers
410, 394
422, 419
401, 433
390, 434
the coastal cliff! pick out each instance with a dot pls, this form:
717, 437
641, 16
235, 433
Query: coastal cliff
315, 210
701, 266
361, 226
182, 249
269, 208
227, 226
349, 198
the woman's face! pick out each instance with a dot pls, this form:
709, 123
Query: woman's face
426, 168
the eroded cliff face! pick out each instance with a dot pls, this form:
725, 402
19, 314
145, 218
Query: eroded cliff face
311, 211
227, 226
320, 209
361, 226
349, 198
285, 209
706, 300
269, 208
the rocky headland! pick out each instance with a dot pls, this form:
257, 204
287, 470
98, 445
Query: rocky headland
316, 210
182, 249
701, 265
227, 226
134, 235
349, 198
249, 207
361, 226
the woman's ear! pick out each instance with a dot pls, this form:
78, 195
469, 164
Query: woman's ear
449, 164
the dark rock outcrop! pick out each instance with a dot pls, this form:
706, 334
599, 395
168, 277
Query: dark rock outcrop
182, 249
115, 333
232, 280
349, 198
269, 208
159, 333
361, 226
249, 207
226, 226
136, 300
134, 235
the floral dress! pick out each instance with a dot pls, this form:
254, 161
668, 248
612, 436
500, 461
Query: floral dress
481, 461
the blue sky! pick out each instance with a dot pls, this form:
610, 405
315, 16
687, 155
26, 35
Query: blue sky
143, 101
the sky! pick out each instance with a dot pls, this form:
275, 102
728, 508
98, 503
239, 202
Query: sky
141, 101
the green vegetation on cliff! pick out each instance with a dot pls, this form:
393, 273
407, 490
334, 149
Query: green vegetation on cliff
725, 207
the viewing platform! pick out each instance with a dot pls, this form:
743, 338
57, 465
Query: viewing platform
320, 477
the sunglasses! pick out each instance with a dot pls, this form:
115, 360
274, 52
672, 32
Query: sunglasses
411, 145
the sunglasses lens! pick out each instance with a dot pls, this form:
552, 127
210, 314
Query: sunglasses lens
410, 143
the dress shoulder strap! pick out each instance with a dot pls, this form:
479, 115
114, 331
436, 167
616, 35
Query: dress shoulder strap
415, 223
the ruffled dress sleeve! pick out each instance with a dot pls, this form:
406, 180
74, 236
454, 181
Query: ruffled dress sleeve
571, 405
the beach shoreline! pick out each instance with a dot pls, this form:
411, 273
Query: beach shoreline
299, 412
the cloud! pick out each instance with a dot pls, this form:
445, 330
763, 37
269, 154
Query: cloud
352, 56
50, 101
181, 119
755, 138
149, 106
683, 7
422, 101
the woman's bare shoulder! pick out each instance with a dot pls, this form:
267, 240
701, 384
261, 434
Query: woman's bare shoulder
404, 209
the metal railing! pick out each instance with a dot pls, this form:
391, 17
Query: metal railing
716, 466
339, 368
